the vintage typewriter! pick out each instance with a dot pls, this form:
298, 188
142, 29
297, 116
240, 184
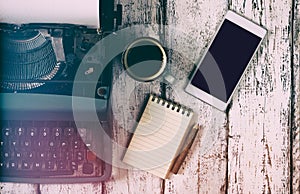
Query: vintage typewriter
41, 141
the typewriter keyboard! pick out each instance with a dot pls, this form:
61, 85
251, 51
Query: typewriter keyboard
47, 149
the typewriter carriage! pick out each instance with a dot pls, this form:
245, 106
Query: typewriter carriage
37, 54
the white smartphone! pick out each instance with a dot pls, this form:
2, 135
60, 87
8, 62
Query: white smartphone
225, 61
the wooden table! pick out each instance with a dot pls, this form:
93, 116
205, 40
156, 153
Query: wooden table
252, 148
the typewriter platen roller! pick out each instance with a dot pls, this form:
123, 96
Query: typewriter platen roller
39, 55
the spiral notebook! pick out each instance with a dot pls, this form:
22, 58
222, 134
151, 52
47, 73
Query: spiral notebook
160, 136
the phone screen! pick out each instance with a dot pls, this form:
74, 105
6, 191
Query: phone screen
225, 61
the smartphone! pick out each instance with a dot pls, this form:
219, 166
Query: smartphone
222, 66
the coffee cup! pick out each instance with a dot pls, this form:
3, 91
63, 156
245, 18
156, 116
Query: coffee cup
145, 59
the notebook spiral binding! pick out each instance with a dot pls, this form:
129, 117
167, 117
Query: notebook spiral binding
171, 105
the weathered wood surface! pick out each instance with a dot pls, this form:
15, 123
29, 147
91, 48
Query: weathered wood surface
259, 127
205, 168
255, 146
296, 103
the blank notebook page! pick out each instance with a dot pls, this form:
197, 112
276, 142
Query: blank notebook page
158, 137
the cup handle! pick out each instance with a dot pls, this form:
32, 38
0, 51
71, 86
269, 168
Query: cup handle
168, 78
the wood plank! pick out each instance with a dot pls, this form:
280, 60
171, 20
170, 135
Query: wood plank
71, 188
18, 188
296, 97
259, 125
191, 27
128, 97
139, 12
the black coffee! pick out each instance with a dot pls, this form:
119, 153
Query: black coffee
145, 59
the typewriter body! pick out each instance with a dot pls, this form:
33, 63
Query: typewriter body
40, 140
